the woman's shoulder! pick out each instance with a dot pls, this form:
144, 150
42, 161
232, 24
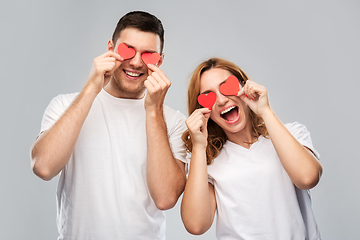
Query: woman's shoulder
294, 125
297, 129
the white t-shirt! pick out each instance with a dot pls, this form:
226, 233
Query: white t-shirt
102, 192
256, 198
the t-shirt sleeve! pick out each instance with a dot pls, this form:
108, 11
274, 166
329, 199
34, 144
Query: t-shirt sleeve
210, 179
55, 109
175, 131
300, 132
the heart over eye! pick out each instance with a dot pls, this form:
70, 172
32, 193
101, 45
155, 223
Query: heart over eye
151, 58
230, 87
207, 100
126, 52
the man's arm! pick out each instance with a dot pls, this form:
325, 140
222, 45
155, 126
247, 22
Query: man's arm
165, 175
52, 150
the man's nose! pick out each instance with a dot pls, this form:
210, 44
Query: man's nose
137, 61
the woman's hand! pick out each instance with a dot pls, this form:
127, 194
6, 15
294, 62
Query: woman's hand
255, 96
197, 125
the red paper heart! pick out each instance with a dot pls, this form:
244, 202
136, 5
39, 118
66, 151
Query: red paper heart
207, 100
230, 87
125, 51
151, 58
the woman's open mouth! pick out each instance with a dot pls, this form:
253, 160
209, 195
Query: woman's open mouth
231, 114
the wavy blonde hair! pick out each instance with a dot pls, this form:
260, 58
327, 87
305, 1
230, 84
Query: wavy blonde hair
216, 136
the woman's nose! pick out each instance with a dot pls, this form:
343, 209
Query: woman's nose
221, 100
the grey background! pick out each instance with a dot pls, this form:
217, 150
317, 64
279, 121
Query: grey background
305, 52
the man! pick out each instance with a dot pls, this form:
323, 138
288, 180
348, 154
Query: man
118, 148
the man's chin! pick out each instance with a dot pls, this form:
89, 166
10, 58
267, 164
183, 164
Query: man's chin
130, 90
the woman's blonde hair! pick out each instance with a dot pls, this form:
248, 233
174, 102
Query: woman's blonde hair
216, 136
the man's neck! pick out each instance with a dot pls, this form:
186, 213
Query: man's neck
117, 92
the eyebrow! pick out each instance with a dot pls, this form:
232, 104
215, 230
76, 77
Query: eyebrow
128, 45
150, 51
222, 82
207, 91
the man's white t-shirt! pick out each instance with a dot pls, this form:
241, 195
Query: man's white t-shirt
255, 196
102, 192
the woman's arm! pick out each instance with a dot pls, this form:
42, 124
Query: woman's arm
198, 204
298, 161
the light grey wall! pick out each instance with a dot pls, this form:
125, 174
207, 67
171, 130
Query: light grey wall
305, 52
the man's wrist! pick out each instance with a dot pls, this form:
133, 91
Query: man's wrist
155, 111
91, 90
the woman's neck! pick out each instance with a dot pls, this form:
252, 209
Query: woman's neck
244, 138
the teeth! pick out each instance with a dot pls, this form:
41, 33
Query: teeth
228, 110
132, 74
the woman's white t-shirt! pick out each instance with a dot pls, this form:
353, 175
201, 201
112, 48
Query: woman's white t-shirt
255, 196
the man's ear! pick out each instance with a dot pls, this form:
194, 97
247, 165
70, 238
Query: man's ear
110, 46
162, 56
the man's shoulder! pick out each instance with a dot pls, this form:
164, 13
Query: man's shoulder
170, 112
66, 96
60, 102
64, 99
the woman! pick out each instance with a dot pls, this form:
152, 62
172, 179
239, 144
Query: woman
245, 164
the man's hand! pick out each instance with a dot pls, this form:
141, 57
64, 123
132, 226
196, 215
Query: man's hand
102, 69
157, 85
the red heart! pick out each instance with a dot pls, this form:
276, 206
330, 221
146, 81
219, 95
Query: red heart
125, 51
230, 87
207, 100
151, 58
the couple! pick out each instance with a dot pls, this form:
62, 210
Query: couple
122, 153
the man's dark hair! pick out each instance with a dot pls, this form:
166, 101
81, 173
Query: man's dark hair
142, 21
